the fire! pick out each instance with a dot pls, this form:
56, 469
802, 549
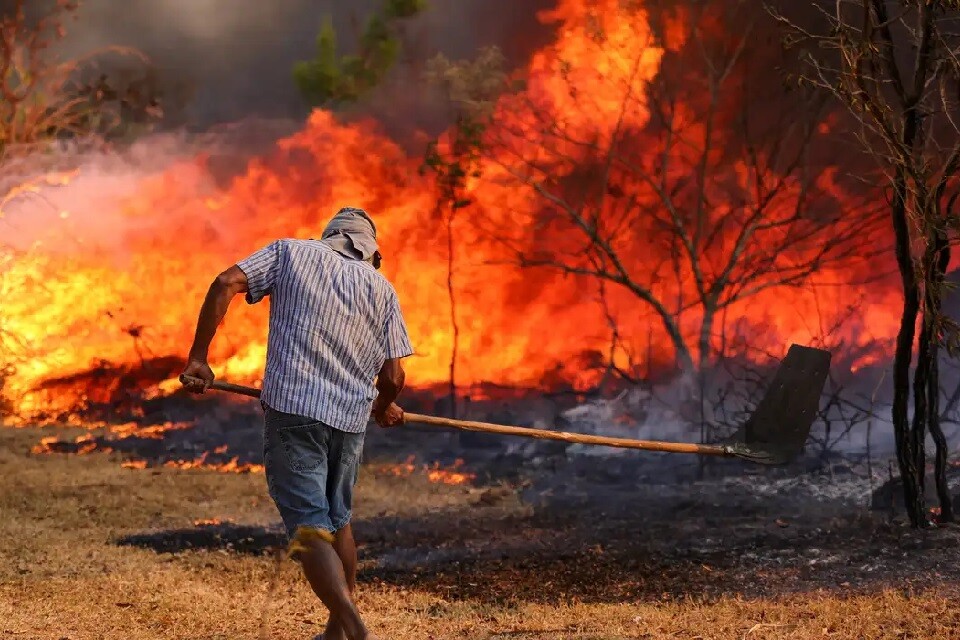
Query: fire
233, 466
403, 469
435, 473
143, 246
88, 443
46, 445
81, 445
209, 522
130, 429
451, 475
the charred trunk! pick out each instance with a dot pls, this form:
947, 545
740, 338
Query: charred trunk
706, 330
684, 358
909, 458
453, 316
703, 359
906, 454
913, 497
921, 395
940, 254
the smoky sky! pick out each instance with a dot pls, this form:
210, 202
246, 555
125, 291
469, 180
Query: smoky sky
225, 60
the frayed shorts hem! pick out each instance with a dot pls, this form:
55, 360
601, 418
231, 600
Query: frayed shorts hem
311, 469
325, 526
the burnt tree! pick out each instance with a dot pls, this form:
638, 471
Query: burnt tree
895, 66
703, 186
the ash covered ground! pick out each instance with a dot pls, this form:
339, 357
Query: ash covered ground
584, 519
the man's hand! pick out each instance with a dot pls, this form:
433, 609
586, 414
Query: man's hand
221, 292
197, 369
389, 384
392, 416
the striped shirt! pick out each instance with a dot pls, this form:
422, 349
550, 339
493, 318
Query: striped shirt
333, 323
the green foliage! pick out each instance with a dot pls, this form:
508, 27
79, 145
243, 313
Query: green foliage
461, 161
400, 9
321, 78
328, 78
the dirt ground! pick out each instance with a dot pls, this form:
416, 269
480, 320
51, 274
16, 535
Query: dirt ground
93, 550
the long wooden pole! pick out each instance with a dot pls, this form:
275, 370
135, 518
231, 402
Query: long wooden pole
527, 432
566, 436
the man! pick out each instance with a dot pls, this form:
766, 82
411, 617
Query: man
335, 324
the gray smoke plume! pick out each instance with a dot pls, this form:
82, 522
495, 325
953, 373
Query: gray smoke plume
225, 60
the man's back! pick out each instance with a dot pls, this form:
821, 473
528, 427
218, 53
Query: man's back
333, 323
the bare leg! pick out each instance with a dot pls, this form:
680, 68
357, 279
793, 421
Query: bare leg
324, 570
346, 550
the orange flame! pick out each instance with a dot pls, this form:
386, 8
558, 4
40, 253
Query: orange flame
451, 475
434, 473
233, 466
88, 444
45, 445
208, 522
130, 281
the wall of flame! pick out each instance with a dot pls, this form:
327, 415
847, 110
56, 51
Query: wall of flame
118, 273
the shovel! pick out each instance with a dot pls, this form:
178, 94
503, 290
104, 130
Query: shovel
773, 434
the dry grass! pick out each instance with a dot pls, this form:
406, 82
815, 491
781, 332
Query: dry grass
61, 576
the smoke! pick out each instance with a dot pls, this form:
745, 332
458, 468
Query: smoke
77, 205
225, 60
225, 66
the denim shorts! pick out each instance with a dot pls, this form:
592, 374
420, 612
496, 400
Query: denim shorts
311, 470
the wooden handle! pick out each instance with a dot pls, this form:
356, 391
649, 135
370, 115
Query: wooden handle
565, 436
190, 381
526, 432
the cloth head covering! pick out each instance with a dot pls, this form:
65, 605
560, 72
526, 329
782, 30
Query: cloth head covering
352, 234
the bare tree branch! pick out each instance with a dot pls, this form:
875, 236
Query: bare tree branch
731, 225
895, 69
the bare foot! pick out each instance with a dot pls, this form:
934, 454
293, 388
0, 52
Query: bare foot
333, 631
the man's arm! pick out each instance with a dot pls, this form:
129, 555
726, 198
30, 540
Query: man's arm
389, 385
396, 343
227, 285
255, 275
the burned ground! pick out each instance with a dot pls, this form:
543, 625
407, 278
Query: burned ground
544, 543
638, 542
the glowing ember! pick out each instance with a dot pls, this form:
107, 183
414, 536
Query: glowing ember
87, 443
151, 432
435, 473
451, 475
209, 522
81, 445
114, 432
404, 469
233, 466
46, 445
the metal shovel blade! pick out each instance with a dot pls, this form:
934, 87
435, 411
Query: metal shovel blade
777, 430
